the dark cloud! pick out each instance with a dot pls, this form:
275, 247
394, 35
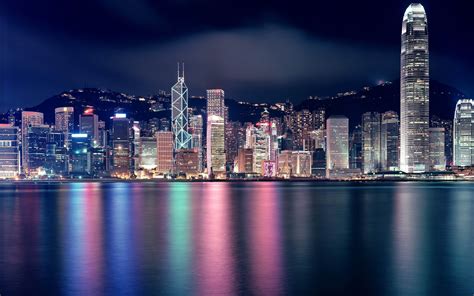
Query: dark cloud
254, 50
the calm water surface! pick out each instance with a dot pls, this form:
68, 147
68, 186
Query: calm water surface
237, 238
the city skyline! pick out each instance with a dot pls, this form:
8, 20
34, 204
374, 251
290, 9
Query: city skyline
202, 141
283, 59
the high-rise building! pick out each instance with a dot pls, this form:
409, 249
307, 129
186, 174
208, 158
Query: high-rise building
28, 118
89, 124
414, 92
196, 129
187, 162
319, 119
164, 152
80, 159
371, 142
355, 148
179, 113
337, 143
261, 146
437, 157
36, 139
448, 136
64, 122
215, 103
302, 127
234, 134
463, 138
284, 164
9, 151
215, 145
245, 160
318, 167
147, 153
64, 119
57, 156
121, 146
390, 141
301, 163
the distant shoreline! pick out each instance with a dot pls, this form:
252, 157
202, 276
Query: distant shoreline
30, 182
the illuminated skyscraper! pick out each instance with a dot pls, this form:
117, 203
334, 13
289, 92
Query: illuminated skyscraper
390, 138
37, 139
179, 113
215, 103
337, 143
437, 157
89, 124
215, 145
28, 118
164, 152
64, 119
371, 142
414, 91
121, 145
464, 133
64, 122
9, 151
196, 129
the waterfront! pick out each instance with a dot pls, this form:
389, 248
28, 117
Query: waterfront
259, 238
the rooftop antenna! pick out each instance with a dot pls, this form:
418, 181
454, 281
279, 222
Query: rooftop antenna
178, 69
183, 69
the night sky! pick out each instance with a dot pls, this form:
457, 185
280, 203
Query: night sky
259, 51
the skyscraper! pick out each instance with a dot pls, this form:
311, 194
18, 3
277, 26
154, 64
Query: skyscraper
37, 139
215, 103
64, 119
80, 159
9, 151
196, 129
215, 145
121, 145
355, 148
179, 113
64, 122
89, 124
164, 152
28, 118
337, 143
464, 133
371, 142
414, 91
437, 157
390, 141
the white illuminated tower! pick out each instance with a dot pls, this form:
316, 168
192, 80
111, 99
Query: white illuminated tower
179, 113
414, 91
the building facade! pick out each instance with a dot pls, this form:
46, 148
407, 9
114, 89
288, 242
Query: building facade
216, 158
463, 130
179, 113
414, 91
371, 142
390, 141
9, 151
337, 143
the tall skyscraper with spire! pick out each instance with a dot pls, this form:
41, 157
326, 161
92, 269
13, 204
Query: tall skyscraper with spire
414, 91
179, 112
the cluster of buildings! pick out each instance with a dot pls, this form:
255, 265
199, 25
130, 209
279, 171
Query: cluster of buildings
299, 144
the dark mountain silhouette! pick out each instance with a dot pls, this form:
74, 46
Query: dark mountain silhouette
383, 98
352, 104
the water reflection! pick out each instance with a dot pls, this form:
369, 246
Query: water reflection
228, 238
214, 253
265, 239
179, 238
